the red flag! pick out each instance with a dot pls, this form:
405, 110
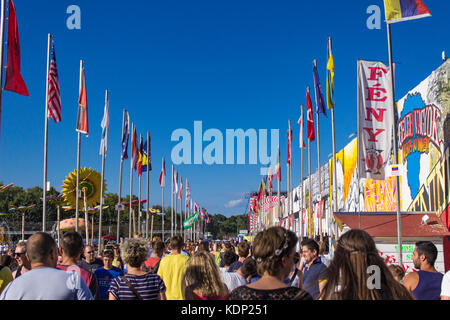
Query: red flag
82, 118
289, 144
180, 194
54, 95
310, 134
14, 81
162, 175
141, 156
134, 150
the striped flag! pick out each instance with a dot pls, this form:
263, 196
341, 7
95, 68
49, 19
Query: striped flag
180, 194
289, 144
188, 193
125, 136
141, 155
270, 178
300, 123
402, 10
330, 80
278, 167
162, 175
147, 158
105, 128
54, 96
189, 222
82, 118
134, 149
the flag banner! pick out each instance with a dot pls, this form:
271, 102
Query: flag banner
270, 178
320, 104
147, 158
188, 193
330, 80
300, 123
162, 175
310, 133
141, 155
175, 182
180, 194
82, 118
14, 81
134, 149
402, 10
105, 129
54, 95
189, 222
278, 167
125, 136
289, 144
375, 119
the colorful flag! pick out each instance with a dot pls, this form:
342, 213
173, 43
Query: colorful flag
188, 193
310, 133
134, 149
141, 155
105, 128
54, 96
375, 119
300, 123
180, 194
82, 118
330, 80
162, 176
270, 178
320, 105
402, 10
147, 158
14, 81
125, 136
288, 148
189, 222
175, 182
278, 167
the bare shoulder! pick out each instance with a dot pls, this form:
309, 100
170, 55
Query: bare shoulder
411, 281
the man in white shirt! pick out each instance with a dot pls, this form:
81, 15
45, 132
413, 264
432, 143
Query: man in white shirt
44, 281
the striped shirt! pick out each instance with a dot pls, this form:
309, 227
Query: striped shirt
149, 287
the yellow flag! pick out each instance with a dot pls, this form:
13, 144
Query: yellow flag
330, 82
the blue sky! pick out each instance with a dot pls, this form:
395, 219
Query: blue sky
231, 64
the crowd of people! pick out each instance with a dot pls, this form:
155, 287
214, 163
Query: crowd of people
269, 268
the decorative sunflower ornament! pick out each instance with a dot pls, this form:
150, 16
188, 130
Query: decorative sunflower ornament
89, 179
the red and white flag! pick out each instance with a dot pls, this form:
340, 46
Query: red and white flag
375, 112
134, 149
310, 133
188, 193
180, 194
300, 123
162, 175
14, 81
54, 96
82, 118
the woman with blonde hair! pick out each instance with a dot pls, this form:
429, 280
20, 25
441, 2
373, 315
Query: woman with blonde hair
202, 278
136, 284
355, 260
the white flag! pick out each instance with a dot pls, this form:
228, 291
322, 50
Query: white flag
375, 119
300, 122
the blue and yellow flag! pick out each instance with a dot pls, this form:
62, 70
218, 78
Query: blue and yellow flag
402, 10
330, 80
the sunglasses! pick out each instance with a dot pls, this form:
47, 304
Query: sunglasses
18, 254
89, 252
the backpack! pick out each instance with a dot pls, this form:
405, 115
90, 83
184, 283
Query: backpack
152, 270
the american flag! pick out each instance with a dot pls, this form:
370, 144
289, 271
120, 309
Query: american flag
54, 97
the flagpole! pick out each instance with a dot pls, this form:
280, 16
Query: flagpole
318, 163
176, 206
102, 182
395, 162
44, 193
171, 207
290, 175
335, 200
140, 185
148, 189
162, 196
278, 202
120, 183
131, 185
300, 214
2, 39
77, 205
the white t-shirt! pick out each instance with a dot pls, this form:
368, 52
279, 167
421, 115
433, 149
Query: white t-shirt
47, 284
445, 287
232, 280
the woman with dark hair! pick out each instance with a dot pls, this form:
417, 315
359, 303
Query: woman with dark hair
347, 277
274, 252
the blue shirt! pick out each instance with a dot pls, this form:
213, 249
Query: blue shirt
105, 278
312, 275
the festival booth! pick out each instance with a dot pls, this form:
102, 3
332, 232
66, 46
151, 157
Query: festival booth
414, 227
